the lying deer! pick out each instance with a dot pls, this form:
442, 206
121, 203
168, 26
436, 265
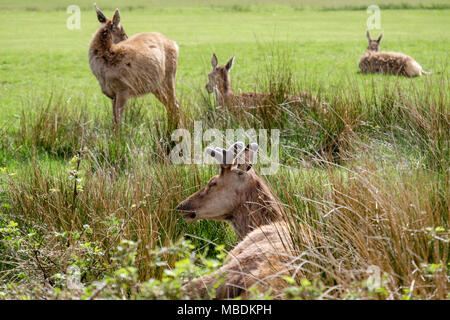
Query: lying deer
238, 195
397, 63
219, 83
131, 67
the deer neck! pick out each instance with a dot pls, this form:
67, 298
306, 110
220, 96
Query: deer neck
102, 45
260, 208
224, 92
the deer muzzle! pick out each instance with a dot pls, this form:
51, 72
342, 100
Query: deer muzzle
186, 210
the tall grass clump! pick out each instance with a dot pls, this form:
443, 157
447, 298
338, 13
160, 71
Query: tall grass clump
88, 208
102, 189
369, 223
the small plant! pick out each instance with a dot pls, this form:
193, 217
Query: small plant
306, 290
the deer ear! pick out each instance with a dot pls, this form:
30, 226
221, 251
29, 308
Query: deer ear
247, 156
368, 36
379, 38
214, 61
229, 64
116, 18
100, 16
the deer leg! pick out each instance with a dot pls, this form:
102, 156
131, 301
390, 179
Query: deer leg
121, 102
114, 110
167, 100
161, 96
173, 104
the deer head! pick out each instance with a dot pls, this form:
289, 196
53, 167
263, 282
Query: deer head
112, 26
236, 194
225, 191
219, 77
374, 45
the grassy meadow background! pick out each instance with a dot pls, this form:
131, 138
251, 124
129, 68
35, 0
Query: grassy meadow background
369, 177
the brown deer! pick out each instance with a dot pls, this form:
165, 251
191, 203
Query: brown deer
238, 195
396, 63
219, 83
131, 67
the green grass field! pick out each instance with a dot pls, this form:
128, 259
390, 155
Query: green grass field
39, 54
386, 132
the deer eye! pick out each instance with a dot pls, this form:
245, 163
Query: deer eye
212, 184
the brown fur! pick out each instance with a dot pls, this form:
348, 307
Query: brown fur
260, 259
220, 84
238, 195
396, 63
144, 63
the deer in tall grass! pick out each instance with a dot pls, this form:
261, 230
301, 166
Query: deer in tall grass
396, 63
219, 83
239, 196
131, 67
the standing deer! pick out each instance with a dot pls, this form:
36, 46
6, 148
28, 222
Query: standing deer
238, 195
219, 83
131, 67
396, 63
